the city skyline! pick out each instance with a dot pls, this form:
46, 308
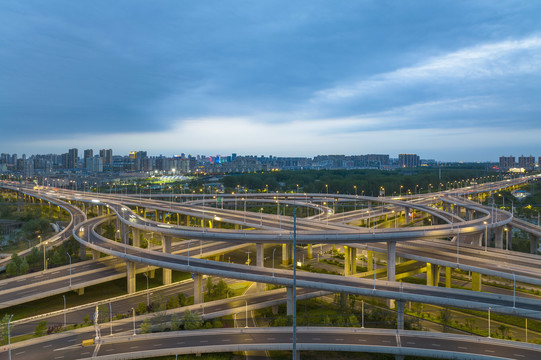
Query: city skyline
453, 81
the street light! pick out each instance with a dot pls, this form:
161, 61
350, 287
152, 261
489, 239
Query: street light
70, 266
489, 322
148, 301
189, 241
506, 238
133, 310
261, 216
273, 261
246, 313
486, 234
44, 259
9, 337
64, 296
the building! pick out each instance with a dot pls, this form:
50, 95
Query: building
507, 162
409, 160
526, 162
73, 159
88, 154
94, 164
107, 156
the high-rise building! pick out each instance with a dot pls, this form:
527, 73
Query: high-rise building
107, 156
73, 159
507, 162
526, 162
94, 164
408, 160
88, 154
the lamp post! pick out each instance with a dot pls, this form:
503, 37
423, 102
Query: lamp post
189, 241
148, 300
486, 234
44, 256
9, 337
489, 322
70, 266
64, 296
355, 187
273, 251
261, 216
111, 317
362, 314
133, 310
506, 238
246, 313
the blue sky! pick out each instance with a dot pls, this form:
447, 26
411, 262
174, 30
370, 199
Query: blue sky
448, 80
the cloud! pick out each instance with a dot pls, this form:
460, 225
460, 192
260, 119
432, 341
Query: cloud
481, 62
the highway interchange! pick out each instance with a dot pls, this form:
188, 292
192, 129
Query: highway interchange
315, 230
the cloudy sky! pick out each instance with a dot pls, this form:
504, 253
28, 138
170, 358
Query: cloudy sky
448, 80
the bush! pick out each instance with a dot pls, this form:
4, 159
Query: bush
40, 329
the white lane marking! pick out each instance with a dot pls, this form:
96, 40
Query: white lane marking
226, 339
19, 353
203, 341
72, 340
134, 347
385, 341
463, 347
59, 357
157, 345
490, 351
109, 349
85, 353
248, 339
337, 339
46, 346
410, 343
519, 355
271, 339
436, 345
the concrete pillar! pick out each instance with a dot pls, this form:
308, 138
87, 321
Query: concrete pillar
347, 262
476, 283
136, 237
400, 314
430, 272
167, 277
260, 261
509, 237
124, 233
286, 254
353, 259
197, 288
95, 254
289, 300
391, 260
407, 215
370, 260
82, 252
309, 252
448, 271
499, 237
533, 244
130, 276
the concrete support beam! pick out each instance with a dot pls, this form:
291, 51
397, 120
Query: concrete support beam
391, 260
400, 314
508, 237
448, 272
533, 244
167, 277
347, 262
124, 233
82, 252
130, 277
289, 300
136, 237
309, 252
430, 274
370, 260
499, 238
197, 289
476, 281
407, 215
95, 254
353, 259
286, 254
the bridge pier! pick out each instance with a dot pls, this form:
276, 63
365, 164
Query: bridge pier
448, 271
533, 244
197, 288
508, 237
400, 314
167, 277
476, 281
499, 238
431, 275
286, 254
309, 255
136, 237
391, 260
82, 252
124, 233
260, 262
370, 260
130, 276
95, 254
407, 215
289, 300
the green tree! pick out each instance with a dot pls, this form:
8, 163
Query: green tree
353, 321
4, 329
146, 326
191, 320
41, 328
141, 308
445, 317
175, 322
221, 289
210, 285
24, 267
173, 302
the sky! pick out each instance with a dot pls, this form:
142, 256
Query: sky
447, 80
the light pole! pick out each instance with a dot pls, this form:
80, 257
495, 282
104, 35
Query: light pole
148, 300
70, 266
486, 234
489, 322
246, 313
362, 314
111, 317
273, 251
261, 216
9, 337
355, 187
64, 296
189, 241
506, 238
133, 310
44, 256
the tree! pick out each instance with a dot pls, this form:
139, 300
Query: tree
175, 322
173, 302
146, 326
41, 328
504, 330
24, 267
353, 321
4, 329
221, 289
210, 285
445, 317
191, 320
